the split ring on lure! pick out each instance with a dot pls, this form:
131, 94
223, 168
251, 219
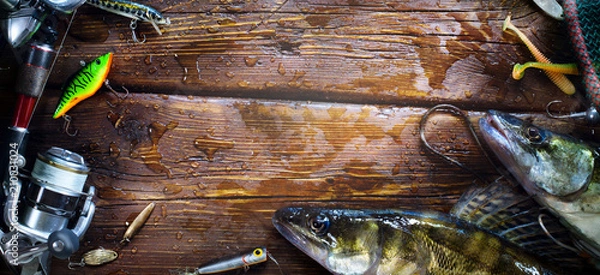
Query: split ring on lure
84, 83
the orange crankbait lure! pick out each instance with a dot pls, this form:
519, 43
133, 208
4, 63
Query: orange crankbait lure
84, 83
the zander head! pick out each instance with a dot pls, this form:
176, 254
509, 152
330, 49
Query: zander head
542, 161
342, 241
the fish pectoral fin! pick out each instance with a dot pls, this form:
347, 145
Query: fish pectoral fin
508, 212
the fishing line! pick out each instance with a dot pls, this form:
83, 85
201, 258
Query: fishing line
62, 42
568, 247
458, 112
262, 22
275, 261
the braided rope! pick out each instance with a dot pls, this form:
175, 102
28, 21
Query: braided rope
582, 17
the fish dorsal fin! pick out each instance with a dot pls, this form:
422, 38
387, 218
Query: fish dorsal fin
505, 210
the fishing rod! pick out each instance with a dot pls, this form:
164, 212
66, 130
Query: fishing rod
46, 212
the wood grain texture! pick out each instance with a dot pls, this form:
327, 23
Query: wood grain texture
224, 166
242, 107
399, 52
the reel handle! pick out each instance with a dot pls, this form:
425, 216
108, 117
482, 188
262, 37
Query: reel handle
63, 243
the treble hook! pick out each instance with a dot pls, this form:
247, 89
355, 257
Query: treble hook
67, 125
107, 84
133, 26
591, 115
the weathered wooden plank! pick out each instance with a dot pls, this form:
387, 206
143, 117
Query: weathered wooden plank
225, 165
411, 53
236, 149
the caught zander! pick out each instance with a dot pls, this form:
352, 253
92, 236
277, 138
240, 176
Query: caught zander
348, 242
559, 171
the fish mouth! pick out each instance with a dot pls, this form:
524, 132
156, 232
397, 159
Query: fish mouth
494, 130
288, 222
500, 131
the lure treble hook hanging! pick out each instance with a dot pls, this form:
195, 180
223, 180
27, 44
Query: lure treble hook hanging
67, 124
133, 26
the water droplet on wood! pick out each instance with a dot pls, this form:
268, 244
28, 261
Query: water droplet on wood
281, 69
468, 94
172, 189
114, 150
163, 211
243, 84
250, 61
226, 21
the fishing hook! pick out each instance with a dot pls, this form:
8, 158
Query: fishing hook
458, 112
67, 125
559, 243
107, 84
591, 115
121, 98
133, 26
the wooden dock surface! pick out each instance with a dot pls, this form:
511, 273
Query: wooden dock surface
242, 107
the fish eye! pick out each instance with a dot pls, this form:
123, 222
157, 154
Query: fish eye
98, 61
533, 134
257, 252
319, 225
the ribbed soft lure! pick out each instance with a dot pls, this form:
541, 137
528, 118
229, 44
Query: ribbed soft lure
559, 79
568, 68
84, 83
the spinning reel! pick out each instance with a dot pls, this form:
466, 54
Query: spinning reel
46, 212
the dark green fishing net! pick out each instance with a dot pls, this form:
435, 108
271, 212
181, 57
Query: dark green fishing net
583, 19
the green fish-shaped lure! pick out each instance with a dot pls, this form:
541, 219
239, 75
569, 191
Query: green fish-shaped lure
84, 83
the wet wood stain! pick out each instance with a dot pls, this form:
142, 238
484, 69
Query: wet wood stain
209, 145
235, 112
